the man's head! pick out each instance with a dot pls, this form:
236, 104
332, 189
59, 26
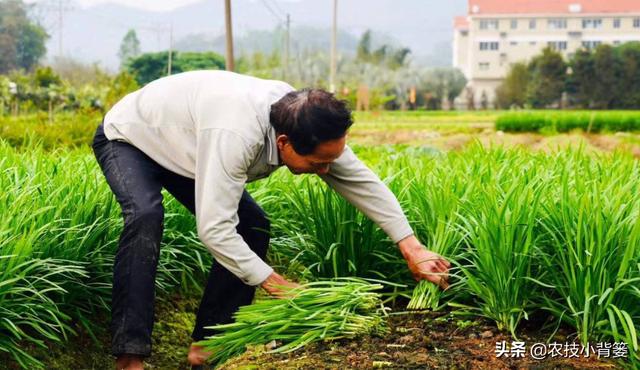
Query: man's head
311, 127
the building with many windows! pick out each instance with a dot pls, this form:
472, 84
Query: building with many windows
497, 33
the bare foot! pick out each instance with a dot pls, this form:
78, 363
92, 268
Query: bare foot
197, 355
129, 362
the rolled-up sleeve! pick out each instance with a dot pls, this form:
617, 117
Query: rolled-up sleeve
362, 188
222, 160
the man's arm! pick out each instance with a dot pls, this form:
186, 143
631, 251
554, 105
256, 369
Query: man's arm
223, 158
361, 187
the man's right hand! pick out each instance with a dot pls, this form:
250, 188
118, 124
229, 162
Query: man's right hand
278, 286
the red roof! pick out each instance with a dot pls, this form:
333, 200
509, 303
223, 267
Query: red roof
486, 7
461, 23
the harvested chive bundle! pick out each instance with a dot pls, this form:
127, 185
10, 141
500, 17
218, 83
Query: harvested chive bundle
322, 310
420, 299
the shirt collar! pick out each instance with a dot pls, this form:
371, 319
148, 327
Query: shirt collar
272, 149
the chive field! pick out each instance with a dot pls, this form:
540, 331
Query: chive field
554, 234
564, 121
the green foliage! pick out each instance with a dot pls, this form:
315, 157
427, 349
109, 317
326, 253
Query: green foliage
22, 42
525, 232
628, 84
564, 121
607, 78
384, 55
45, 77
547, 79
59, 226
68, 130
581, 82
593, 241
44, 90
122, 84
607, 72
327, 237
261, 65
512, 91
129, 47
151, 66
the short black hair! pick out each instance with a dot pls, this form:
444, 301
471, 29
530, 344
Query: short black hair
310, 117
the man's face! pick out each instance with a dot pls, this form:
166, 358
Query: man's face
317, 162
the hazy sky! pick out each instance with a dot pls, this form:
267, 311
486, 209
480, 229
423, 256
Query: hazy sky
155, 5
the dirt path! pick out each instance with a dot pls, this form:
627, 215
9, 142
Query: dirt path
455, 140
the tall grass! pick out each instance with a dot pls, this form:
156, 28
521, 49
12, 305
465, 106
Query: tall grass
593, 230
525, 232
503, 218
59, 226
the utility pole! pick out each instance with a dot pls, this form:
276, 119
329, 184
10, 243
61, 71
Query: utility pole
332, 77
227, 22
61, 7
287, 45
170, 57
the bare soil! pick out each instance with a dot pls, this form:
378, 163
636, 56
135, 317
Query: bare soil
420, 341
458, 139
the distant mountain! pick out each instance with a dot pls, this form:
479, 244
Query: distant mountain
94, 34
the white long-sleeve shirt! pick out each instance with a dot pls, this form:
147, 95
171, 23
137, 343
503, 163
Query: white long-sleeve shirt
213, 126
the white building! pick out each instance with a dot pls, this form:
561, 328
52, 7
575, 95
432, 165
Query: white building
498, 33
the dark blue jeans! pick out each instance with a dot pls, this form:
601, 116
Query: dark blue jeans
137, 181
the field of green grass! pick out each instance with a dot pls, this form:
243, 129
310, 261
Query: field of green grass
529, 234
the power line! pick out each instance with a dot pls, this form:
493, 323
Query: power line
266, 5
278, 8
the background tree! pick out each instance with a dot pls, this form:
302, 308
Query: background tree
363, 52
548, 73
387, 55
129, 47
581, 84
607, 70
629, 79
455, 84
22, 42
150, 66
513, 90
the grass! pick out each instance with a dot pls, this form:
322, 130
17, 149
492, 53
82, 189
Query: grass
59, 226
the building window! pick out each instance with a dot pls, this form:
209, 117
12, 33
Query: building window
488, 24
616, 23
532, 43
636, 23
532, 24
489, 45
593, 23
557, 24
616, 43
590, 44
558, 45
514, 43
484, 66
514, 24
